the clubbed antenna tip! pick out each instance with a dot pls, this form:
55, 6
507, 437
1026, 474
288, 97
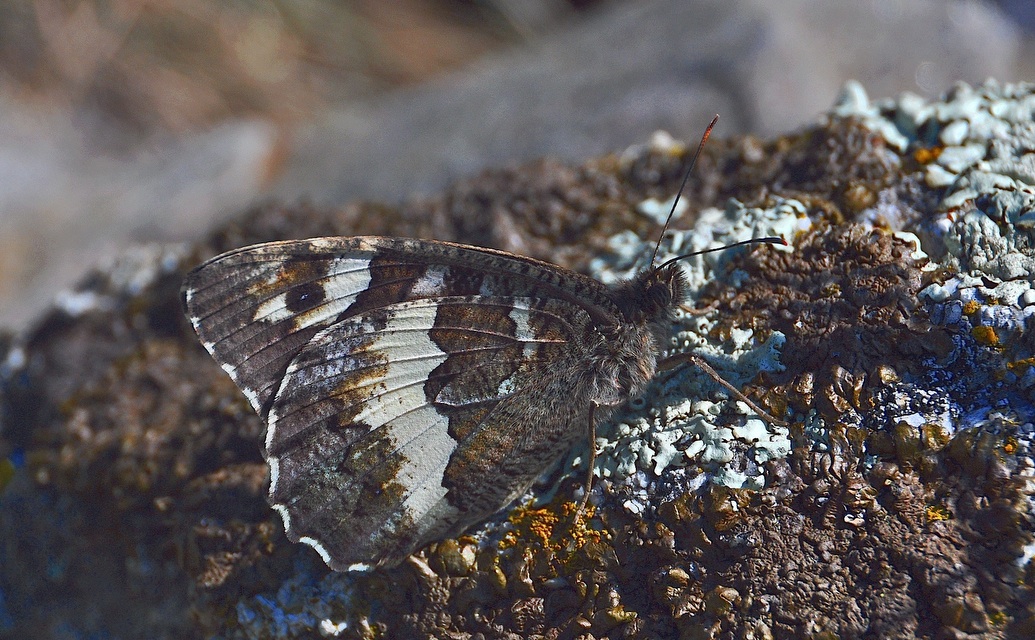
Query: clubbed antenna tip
686, 177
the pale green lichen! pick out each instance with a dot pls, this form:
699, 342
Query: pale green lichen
673, 426
854, 102
982, 143
658, 211
984, 139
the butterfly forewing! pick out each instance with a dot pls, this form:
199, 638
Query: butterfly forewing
255, 308
410, 387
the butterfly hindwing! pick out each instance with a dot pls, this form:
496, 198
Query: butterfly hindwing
380, 415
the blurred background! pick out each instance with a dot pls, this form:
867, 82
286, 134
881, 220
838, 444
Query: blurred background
127, 121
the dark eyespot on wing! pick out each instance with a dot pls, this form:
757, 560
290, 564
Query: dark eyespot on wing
305, 297
255, 308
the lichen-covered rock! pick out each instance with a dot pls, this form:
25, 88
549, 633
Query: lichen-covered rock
895, 336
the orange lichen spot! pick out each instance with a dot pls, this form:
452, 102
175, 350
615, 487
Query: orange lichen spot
555, 526
970, 307
937, 512
1020, 367
927, 155
541, 524
986, 336
1010, 445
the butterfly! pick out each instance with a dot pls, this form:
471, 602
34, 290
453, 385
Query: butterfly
412, 388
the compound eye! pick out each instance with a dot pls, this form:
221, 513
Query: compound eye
660, 294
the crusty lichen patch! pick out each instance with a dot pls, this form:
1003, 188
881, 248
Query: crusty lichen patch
675, 424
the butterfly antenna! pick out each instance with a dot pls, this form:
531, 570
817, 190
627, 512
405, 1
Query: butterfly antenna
686, 177
766, 240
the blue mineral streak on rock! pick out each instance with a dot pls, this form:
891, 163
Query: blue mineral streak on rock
6, 620
301, 605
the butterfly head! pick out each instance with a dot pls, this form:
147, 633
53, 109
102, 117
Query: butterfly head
667, 289
653, 295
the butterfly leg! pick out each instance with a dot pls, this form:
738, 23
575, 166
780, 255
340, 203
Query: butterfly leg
592, 462
693, 358
694, 311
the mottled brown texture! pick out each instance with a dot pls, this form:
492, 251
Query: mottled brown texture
782, 563
846, 301
467, 377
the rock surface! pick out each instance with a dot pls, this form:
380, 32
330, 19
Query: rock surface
895, 337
